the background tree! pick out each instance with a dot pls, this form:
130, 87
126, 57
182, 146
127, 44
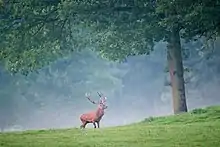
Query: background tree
24, 98
108, 26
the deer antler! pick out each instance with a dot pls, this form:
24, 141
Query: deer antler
100, 94
102, 97
88, 97
87, 94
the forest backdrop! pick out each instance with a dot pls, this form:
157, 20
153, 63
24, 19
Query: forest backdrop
51, 51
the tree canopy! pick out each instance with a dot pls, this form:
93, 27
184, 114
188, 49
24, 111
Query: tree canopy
34, 33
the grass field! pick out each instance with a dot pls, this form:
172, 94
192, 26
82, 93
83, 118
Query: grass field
198, 128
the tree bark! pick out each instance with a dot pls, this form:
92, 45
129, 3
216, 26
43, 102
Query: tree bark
174, 58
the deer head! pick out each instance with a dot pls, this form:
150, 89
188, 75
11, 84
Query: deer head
102, 101
102, 98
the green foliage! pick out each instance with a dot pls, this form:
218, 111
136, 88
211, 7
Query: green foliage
32, 35
208, 114
199, 111
201, 18
35, 33
201, 132
149, 119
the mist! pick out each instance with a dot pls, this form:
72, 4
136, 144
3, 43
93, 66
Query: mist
54, 97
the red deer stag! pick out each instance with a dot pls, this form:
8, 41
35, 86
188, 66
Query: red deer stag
94, 116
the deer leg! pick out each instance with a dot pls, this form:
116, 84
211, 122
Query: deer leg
83, 125
98, 124
94, 124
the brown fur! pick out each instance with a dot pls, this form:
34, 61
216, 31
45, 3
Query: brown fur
93, 116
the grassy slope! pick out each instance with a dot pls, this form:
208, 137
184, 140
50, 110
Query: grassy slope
200, 127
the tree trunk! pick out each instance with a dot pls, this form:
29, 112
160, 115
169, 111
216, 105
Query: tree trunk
174, 58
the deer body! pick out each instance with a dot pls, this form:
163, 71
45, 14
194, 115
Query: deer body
93, 116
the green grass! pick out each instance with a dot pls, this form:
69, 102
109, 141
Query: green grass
198, 128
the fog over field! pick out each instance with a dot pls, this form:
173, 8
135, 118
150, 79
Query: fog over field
136, 89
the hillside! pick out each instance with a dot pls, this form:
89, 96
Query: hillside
200, 127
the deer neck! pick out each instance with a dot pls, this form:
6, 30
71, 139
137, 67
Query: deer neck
99, 112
